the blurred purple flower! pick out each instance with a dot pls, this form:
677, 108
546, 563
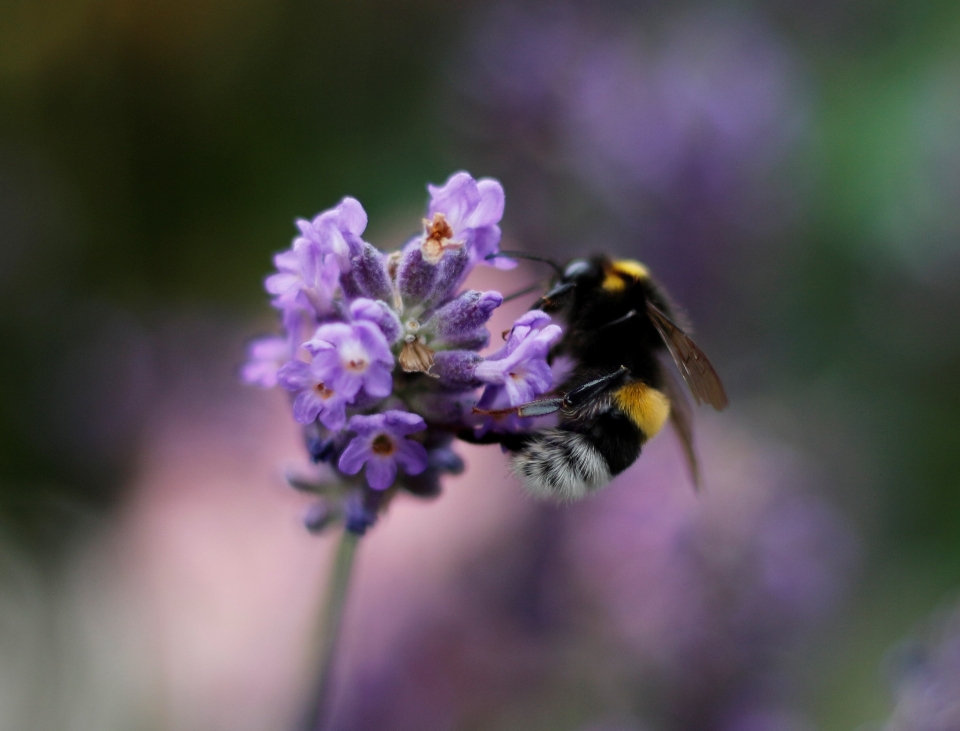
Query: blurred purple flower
380, 444
611, 127
265, 356
713, 99
351, 357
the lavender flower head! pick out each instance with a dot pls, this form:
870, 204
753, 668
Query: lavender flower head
381, 352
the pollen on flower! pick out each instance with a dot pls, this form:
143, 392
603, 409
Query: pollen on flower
357, 365
322, 391
438, 238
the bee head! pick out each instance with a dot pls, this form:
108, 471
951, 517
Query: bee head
588, 277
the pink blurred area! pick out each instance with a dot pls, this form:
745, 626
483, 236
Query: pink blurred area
226, 581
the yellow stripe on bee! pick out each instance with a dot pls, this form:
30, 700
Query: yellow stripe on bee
619, 271
647, 407
631, 268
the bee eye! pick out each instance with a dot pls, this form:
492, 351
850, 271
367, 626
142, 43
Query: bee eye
576, 269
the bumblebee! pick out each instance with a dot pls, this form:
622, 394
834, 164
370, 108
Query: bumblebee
619, 394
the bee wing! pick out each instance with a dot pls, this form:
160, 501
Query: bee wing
681, 417
693, 365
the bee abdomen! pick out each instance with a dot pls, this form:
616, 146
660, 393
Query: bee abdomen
564, 464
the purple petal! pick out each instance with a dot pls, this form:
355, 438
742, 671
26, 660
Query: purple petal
307, 406
486, 241
373, 340
295, 376
266, 356
287, 261
344, 383
457, 199
549, 335
281, 283
539, 376
381, 472
328, 337
493, 397
490, 209
357, 452
326, 365
380, 314
412, 456
309, 259
367, 425
352, 216
334, 414
533, 318
403, 422
259, 373
527, 382
333, 241
299, 323
377, 381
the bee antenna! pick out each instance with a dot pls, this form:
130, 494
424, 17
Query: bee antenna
530, 257
526, 290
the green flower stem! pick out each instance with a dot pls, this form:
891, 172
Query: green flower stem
328, 630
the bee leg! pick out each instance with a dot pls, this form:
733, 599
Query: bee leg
589, 391
554, 299
541, 407
619, 320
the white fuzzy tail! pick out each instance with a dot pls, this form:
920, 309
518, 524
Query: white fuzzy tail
561, 465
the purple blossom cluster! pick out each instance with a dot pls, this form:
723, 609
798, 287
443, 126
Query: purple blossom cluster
380, 353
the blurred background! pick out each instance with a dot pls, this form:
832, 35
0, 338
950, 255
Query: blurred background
790, 171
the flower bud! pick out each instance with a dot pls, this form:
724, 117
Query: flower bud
367, 276
456, 367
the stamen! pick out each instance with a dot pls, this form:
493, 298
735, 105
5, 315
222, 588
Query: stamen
437, 238
322, 391
359, 365
383, 446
